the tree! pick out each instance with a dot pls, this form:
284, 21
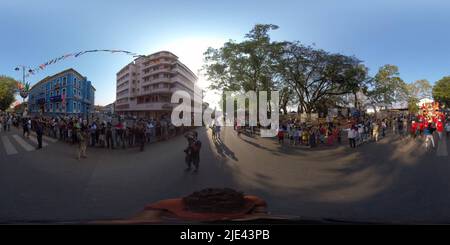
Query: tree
441, 91
8, 88
244, 66
387, 87
420, 89
316, 75
412, 105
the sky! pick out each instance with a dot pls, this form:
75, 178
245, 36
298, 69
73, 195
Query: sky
414, 35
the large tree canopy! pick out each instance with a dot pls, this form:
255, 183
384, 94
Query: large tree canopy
420, 89
441, 91
315, 74
7, 90
387, 87
305, 76
243, 66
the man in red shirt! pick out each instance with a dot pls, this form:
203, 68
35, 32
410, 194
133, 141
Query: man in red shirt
414, 129
440, 128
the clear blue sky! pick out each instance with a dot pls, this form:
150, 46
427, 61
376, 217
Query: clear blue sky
414, 35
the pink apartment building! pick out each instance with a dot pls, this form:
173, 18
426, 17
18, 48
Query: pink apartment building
145, 86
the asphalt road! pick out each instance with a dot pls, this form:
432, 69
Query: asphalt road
394, 180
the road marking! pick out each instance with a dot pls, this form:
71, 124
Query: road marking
442, 147
46, 138
36, 142
10, 149
23, 143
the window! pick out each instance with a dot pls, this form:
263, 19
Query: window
64, 81
64, 92
155, 76
51, 106
74, 81
51, 94
57, 106
74, 106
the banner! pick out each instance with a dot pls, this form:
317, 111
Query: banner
42, 66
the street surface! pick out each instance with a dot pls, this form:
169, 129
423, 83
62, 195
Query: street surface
394, 180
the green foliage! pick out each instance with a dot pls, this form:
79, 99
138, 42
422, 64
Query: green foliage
388, 87
304, 75
412, 105
441, 91
7, 90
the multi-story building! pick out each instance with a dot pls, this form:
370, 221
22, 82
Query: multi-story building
145, 86
65, 93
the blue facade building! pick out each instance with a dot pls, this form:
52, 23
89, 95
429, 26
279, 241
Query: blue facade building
66, 93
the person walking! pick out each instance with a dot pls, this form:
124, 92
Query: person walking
217, 130
428, 132
193, 151
26, 128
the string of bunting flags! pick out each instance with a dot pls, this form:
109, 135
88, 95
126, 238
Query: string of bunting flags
41, 67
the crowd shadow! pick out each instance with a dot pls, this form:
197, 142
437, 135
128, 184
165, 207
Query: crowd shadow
223, 150
376, 185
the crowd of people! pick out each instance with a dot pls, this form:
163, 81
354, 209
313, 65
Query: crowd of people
360, 130
94, 133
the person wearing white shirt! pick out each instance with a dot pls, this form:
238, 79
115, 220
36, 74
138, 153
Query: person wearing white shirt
351, 137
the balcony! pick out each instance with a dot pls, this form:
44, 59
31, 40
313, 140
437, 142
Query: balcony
155, 90
152, 72
158, 80
158, 106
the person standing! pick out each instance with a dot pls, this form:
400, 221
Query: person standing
26, 128
82, 135
440, 128
39, 132
109, 141
447, 128
352, 136
140, 134
93, 131
8, 123
375, 132
149, 131
280, 136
